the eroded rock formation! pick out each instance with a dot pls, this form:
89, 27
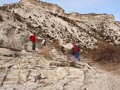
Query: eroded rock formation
28, 16
20, 70
34, 72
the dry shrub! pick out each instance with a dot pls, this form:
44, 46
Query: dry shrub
1, 18
106, 53
45, 51
56, 44
29, 25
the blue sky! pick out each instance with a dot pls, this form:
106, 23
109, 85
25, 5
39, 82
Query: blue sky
84, 6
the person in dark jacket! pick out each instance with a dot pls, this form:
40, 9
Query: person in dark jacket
33, 40
76, 51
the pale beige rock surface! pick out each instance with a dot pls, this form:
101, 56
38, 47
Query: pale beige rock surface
21, 70
34, 72
28, 16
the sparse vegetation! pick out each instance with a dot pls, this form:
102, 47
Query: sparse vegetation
56, 44
68, 40
29, 25
1, 18
106, 53
45, 51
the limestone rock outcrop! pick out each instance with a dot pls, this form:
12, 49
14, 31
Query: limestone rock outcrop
18, 21
34, 72
21, 70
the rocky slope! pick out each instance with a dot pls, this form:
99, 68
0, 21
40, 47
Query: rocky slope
18, 21
21, 70
32, 71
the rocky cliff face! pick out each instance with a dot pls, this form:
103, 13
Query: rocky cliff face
28, 16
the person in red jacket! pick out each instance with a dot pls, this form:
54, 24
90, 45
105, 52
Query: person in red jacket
33, 40
76, 51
